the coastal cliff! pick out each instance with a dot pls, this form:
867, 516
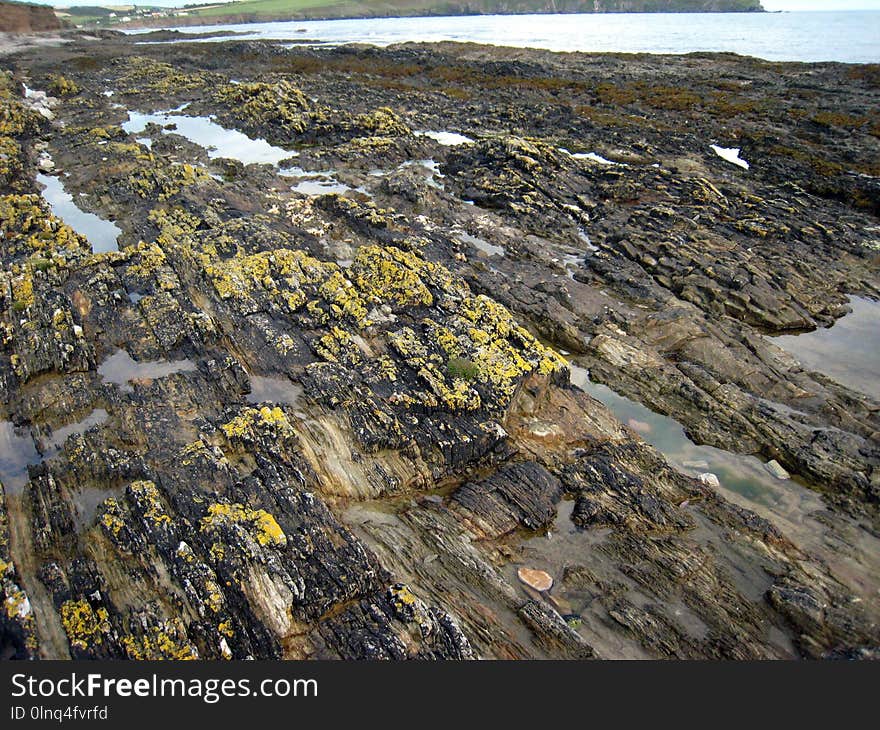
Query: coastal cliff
24, 18
252, 11
598, 6
366, 8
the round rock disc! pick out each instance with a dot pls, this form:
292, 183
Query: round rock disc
537, 579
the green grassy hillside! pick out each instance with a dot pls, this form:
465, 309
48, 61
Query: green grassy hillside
371, 8
266, 10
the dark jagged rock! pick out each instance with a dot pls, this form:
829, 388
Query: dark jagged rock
517, 495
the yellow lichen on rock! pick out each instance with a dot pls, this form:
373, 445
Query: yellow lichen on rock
23, 292
344, 299
483, 335
161, 183
111, 519
250, 423
261, 525
145, 74
11, 164
164, 642
280, 104
174, 223
338, 345
510, 350
146, 495
17, 604
83, 625
28, 227
16, 119
402, 595
383, 122
280, 273
394, 276
62, 86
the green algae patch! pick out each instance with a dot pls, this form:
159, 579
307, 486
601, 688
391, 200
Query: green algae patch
463, 369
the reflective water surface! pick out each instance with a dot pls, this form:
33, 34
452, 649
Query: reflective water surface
217, 140
102, 234
848, 351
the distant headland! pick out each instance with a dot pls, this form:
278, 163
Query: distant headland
252, 11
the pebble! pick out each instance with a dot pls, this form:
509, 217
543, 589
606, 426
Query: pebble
537, 579
777, 470
709, 479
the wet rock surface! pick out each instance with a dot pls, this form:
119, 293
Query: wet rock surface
283, 424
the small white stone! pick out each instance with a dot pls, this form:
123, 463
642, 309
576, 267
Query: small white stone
776, 469
709, 479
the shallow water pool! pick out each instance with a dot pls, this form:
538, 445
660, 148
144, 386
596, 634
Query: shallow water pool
102, 234
848, 351
205, 132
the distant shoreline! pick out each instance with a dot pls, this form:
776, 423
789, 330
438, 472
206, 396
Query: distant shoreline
250, 18
803, 34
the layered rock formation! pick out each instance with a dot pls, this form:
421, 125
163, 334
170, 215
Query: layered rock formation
281, 423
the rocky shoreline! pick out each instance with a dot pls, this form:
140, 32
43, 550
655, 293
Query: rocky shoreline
321, 407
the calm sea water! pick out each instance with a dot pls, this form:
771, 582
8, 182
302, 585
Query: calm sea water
852, 37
